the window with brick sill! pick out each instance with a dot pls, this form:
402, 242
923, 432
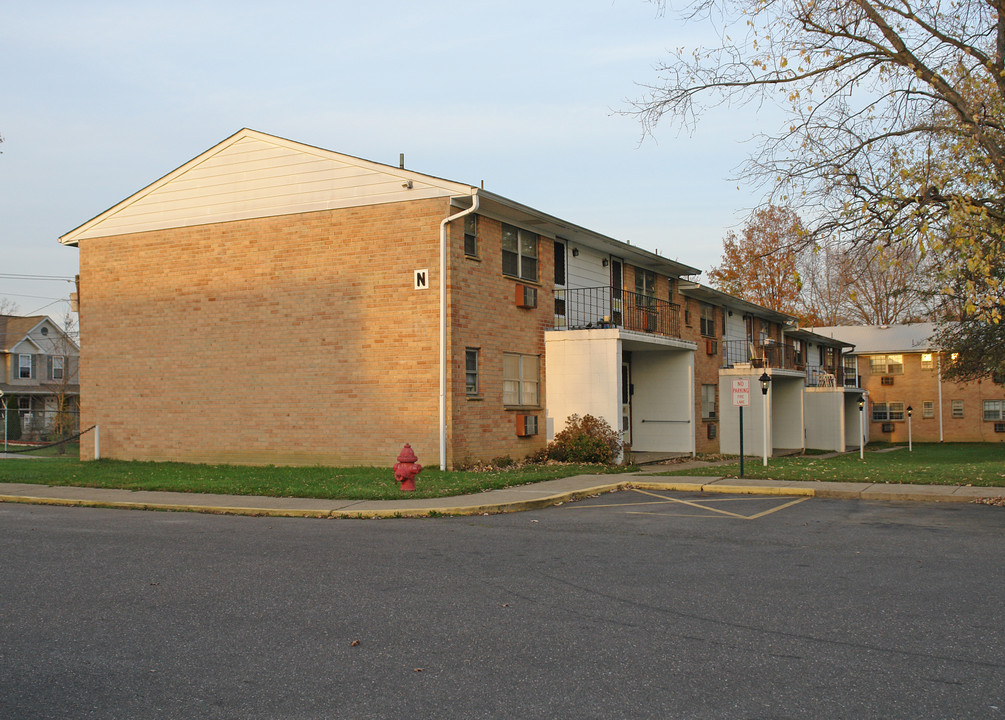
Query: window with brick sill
471, 235
519, 253
521, 380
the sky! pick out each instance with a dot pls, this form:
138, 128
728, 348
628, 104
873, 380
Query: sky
102, 98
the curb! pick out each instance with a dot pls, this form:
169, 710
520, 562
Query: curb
866, 492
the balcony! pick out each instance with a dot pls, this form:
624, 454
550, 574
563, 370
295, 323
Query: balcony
606, 307
780, 356
825, 376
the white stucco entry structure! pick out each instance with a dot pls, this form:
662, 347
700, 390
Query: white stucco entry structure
587, 372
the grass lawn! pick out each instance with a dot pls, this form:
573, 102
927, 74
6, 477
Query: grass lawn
980, 464
352, 483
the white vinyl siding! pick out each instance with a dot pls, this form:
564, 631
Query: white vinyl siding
254, 176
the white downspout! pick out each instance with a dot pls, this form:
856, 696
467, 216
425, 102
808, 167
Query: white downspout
443, 323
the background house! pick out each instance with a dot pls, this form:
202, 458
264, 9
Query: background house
39, 377
901, 368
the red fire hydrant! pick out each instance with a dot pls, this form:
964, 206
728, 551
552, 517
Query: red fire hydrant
407, 468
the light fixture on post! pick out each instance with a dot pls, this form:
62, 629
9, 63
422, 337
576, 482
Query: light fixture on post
861, 428
910, 442
765, 381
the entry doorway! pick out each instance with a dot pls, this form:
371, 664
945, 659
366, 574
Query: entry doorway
626, 402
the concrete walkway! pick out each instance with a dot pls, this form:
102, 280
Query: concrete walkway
526, 497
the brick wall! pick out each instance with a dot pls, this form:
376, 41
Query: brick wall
484, 316
290, 340
914, 387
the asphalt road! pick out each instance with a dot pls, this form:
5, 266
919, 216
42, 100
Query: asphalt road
629, 605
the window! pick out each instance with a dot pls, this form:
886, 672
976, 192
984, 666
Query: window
928, 409
708, 402
471, 235
24, 363
559, 262
881, 412
471, 371
24, 405
957, 409
926, 361
886, 364
520, 379
850, 371
56, 367
994, 410
519, 253
645, 285
707, 320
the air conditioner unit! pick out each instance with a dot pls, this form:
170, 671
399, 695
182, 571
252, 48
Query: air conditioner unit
1000, 427
887, 380
526, 296
526, 425
888, 427
711, 347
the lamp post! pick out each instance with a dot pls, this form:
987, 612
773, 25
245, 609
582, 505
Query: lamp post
910, 442
861, 428
4, 400
765, 380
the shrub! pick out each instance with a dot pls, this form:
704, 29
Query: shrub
586, 439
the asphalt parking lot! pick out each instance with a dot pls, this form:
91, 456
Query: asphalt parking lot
622, 605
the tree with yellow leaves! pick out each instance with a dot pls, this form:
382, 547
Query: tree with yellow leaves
895, 125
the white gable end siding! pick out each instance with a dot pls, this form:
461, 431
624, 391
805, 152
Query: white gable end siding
257, 177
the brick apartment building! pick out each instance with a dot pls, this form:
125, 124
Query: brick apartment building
273, 302
901, 368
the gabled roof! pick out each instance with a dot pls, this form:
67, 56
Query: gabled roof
876, 339
14, 329
252, 175
717, 297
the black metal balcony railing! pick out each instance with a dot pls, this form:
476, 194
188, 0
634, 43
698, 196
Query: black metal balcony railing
777, 355
825, 376
606, 307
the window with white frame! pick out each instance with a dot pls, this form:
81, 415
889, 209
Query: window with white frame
471, 235
707, 326
928, 409
883, 412
24, 405
927, 363
994, 410
957, 409
645, 286
24, 366
519, 253
708, 409
471, 371
56, 368
521, 379
886, 364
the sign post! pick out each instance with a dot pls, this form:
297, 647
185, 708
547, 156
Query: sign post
741, 399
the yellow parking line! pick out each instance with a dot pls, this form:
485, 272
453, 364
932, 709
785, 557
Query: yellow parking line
724, 512
780, 507
696, 505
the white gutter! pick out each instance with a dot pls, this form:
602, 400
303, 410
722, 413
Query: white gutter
443, 323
